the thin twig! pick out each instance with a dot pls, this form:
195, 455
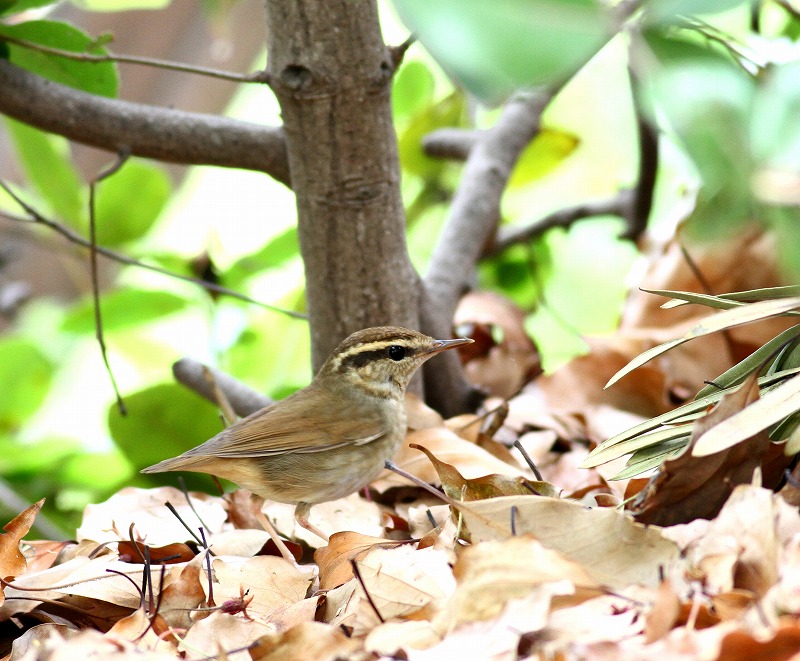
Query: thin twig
172, 509
360, 579
122, 157
73, 237
256, 77
528, 460
189, 502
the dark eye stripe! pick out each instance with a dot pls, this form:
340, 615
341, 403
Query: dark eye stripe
364, 357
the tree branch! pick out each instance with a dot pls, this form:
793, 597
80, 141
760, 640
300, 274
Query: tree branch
475, 210
243, 399
474, 214
164, 134
619, 205
455, 144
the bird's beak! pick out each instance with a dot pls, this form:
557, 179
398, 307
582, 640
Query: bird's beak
443, 345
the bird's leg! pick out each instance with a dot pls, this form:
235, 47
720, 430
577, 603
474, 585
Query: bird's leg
258, 501
301, 513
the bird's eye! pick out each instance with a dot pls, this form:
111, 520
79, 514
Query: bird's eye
396, 352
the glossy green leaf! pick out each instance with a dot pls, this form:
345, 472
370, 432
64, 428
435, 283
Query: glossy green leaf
121, 309
46, 161
93, 77
445, 113
25, 377
412, 89
129, 202
494, 48
543, 155
162, 421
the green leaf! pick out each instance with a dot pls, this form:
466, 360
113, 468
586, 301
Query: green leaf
544, 154
39, 458
93, 77
279, 250
129, 202
447, 112
717, 322
708, 102
162, 421
25, 377
412, 89
494, 48
47, 164
121, 309
99, 472
739, 372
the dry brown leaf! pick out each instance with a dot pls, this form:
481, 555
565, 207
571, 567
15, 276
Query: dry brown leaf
491, 574
742, 545
690, 487
12, 562
334, 560
153, 523
614, 549
471, 460
183, 594
273, 582
351, 513
664, 613
388, 638
138, 553
499, 368
742, 646
311, 640
221, 631
400, 582
486, 486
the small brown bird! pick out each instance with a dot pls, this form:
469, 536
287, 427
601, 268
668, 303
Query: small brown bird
329, 439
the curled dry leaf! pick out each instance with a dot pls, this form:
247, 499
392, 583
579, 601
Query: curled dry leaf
614, 550
487, 486
211, 636
503, 367
690, 487
334, 560
471, 460
664, 613
12, 562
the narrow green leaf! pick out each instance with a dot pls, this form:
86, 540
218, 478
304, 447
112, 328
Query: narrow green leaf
685, 413
721, 321
739, 372
637, 443
769, 409
650, 460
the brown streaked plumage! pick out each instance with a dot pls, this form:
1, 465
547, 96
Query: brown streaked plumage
329, 439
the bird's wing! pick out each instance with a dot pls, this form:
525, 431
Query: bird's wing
311, 420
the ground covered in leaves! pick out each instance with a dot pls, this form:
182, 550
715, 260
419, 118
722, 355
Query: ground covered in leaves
550, 565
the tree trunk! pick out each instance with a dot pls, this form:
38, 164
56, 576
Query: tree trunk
332, 74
